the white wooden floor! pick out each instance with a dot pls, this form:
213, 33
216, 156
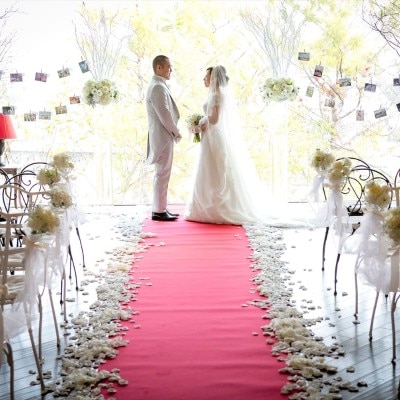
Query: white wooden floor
371, 359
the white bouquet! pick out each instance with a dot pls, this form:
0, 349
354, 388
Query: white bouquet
62, 162
60, 198
279, 90
43, 220
377, 197
102, 92
391, 224
338, 171
193, 126
48, 176
322, 161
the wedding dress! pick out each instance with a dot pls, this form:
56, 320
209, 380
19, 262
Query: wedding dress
226, 188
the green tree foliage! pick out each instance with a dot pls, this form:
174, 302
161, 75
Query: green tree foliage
248, 39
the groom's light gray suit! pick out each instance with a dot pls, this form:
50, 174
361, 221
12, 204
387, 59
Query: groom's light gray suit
163, 116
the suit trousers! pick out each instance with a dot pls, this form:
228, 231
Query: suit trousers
162, 175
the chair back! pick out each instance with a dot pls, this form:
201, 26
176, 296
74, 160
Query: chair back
27, 177
354, 187
15, 197
355, 163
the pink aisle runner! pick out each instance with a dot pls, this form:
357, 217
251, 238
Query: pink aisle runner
196, 338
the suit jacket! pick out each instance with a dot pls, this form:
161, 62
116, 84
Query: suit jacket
163, 116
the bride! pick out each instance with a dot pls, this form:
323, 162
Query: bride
226, 188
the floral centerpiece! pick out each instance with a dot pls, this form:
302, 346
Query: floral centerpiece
377, 197
48, 176
322, 161
391, 224
193, 126
100, 92
279, 90
43, 220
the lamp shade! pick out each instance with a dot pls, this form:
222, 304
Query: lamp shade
6, 128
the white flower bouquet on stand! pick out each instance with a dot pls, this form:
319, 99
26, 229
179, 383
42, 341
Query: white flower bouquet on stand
100, 92
193, 126
279, 89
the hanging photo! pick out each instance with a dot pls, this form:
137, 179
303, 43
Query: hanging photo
74, 100
16, 77
310, 91
396, 82
330, 103
318, 71
303, 56
380, 113
63, 73
61, 110
45, 115
344, 82
9, 110
40, 77
83, 65
370, 87
30, 117
359, 115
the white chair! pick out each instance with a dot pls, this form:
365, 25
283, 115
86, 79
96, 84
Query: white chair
353, 192
40, 268
18, 299
378, 264
340, 205
385, 279
6, 349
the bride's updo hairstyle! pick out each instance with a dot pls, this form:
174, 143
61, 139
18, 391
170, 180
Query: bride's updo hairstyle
219, 78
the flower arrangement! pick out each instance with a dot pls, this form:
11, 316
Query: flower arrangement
193, 126
322, 161
338, 170
43, 220
377, 197
60, 198
101, 92
391, 224
48, 176
62, 162
279, 90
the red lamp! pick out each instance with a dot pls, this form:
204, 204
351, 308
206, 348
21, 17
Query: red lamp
6, 132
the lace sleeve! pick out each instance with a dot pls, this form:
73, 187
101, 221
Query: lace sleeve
215, 100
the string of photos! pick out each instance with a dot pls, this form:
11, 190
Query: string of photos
102, 92
345, 82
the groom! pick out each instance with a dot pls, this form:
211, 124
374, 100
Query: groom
163, 116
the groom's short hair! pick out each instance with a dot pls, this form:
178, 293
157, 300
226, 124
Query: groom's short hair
159, 60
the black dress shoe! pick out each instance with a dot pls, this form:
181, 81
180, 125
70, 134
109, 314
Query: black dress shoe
172, 214
163, 216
